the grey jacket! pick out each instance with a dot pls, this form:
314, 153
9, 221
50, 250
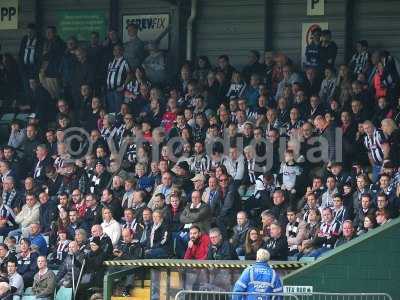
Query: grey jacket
134, 52
197, 216
44, 286
239, 234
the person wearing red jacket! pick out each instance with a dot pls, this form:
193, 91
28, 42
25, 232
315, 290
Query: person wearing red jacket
198, 244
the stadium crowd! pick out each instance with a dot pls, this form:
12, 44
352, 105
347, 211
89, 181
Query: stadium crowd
120, 160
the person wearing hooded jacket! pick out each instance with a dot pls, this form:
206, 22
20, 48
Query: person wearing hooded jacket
93, 271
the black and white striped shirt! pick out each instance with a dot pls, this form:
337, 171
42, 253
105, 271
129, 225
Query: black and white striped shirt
251, 115
199, 164
107, 133
359, 60
251, 171
374, 146
330, 230
29, 53
117, 72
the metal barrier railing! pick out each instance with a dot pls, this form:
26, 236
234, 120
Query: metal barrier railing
214, 295
343, 296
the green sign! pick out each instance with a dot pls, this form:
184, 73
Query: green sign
80, 23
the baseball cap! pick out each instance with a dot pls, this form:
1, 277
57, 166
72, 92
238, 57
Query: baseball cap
199, 177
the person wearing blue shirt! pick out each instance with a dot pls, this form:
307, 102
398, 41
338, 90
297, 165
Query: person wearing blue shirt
252, 92
37, 239
259, 278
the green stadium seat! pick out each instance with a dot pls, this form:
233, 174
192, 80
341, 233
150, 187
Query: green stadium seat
64, 294
5, 125
7, 118
307, 259
28, 291
22, 117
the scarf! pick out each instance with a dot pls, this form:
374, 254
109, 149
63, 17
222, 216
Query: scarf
11, 195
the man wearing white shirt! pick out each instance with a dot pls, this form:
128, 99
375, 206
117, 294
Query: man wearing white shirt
15, 279
331, 190
111, 227
235, 165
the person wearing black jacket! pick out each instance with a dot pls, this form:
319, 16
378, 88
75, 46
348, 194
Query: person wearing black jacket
364, 210
29, 55
328, 50
218, 248
93, 212
27, 266
277, 245
349, 131
71, 266
143, 229
29, 146
5, 291
231, 205
279, 207
157, 245
253, 66
173, 212
42, 161
128, 247
105, 243
95, 53
53, 51
47, 212
109, 201
100, 179
83, 74
53, 181
5, 257
93, 271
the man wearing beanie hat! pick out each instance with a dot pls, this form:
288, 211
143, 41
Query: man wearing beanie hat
93, 268
182, 179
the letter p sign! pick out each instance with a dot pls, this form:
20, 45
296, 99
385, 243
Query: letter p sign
313, 3
9, 14
315, 7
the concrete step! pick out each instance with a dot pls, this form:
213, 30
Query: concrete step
136, 294
140, 293
138, 283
